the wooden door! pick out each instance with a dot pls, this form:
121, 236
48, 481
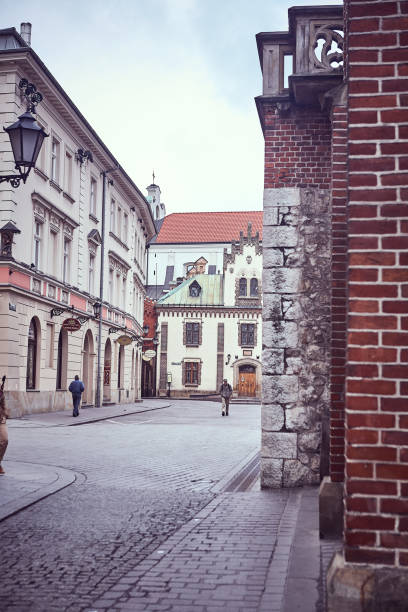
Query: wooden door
247, 384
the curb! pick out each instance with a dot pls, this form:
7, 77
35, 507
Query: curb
110, 416
61, 478
234, 474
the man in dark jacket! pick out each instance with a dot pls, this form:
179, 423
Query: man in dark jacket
76, 388
225, 392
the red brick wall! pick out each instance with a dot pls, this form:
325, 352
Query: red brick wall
297, 149
339, 291
377, 391
150, 319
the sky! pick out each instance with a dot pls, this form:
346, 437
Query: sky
168, 85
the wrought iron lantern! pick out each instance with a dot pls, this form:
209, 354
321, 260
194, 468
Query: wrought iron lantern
26, 137
97, 307
145, 329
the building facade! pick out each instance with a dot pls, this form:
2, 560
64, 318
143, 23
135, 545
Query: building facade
211, 325
182, 238
335, 299
53, 270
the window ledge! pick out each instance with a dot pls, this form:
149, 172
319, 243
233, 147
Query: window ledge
118, 240
192, 345
95, 219
191, 385
41, 173
33, 390
56, 186
68, 197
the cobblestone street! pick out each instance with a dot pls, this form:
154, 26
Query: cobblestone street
153, 519
140, 477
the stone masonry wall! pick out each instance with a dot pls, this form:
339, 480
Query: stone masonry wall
296, 333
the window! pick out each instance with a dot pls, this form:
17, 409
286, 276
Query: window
53, 258
119, 222
125, 228
192, 334
191, 373
254, 287
68, 172
41, 160
110, 286
92, 198
31, 356
112, 216
247, 334
55, 152
242, 287
124, 293
66, 260
50, 346
37, 243
195, 289
91, 277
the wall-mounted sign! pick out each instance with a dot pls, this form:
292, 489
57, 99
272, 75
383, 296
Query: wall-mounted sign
145, 358
124, 340
176, 363
247, 353
150, 353
71, 325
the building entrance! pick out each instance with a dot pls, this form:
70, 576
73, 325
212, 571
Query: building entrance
247, 381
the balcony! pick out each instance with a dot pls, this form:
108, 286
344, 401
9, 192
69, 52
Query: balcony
300, 66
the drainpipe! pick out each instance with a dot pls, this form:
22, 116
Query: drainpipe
98, 398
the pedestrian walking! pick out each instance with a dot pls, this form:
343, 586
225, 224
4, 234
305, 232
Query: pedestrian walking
77, 388
225, 392
3, 424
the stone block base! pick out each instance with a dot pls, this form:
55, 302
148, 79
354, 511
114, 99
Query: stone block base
361, 588
330, 508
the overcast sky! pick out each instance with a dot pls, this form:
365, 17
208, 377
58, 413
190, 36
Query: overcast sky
168, 85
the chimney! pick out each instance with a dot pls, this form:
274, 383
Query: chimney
25, 32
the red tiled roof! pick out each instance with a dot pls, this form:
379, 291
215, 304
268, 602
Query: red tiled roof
209, 226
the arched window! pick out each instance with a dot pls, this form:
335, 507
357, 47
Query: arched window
242, 286
157, 212
254, 286
31, 356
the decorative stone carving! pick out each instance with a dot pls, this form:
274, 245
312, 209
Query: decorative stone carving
332, 49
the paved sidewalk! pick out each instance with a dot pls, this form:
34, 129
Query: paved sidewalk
258, 551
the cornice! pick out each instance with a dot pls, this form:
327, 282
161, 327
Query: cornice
26, 61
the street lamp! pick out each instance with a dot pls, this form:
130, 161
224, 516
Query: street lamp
145, 329
26, 137
97, 307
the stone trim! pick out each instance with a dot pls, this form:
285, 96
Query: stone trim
184, 373
252, 345
200, 332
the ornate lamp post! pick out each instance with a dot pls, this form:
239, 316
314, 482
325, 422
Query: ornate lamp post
26, 137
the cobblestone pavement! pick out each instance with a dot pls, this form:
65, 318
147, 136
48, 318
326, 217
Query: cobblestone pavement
143, 477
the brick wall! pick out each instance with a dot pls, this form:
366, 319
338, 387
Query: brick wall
377, 392
338, 290
297, 148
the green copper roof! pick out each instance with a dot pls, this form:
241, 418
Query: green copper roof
210, 294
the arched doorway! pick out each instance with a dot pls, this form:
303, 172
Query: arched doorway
33, 354
87, 368
107, 366
62, 360
121, 369
247, 377
247, 380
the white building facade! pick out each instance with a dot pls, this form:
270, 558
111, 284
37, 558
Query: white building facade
211, 326
53, 271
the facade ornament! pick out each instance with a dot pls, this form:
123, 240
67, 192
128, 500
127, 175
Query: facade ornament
332, 49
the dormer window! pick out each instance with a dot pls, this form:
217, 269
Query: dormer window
195, 289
